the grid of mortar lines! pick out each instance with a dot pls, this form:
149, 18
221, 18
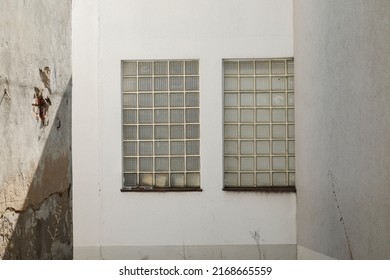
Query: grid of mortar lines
259, 123
161, 141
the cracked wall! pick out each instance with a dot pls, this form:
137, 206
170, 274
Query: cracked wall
35, 123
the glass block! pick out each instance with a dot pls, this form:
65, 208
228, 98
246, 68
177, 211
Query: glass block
177, 131
262, 179
279, 179
231, 163
177, 164
192, 115
129, 116
145, 148
129, 100
193, 147
231, 131
129, 68
192, 67
192, 131
246, 131
278, 131
279, 163
291, 147
145, 132
247, 163
161, 132
290, 115
290, 67
262, 83
145, 100
145, 116
262, 115
246, 67
291, 131
231, 115
161, 116
262, 163
262, 67
262, 99
145, 84
231, 180
176, 99
231, 84
162, 163
231, 147
161, 68
146, 164
290, 99
262, 131
290, 83
162, 180
246, 83
278, 99
247, 179
146, 180
177, 116
291, 179
193, 163
129, 132
161, 148
160, 83
278, 147
130, 179
129, 84
247, 99
277, 67
231, 99
192, 99
161, 99
192, 83
279, 115
130, 148
130, 164
177, 180
262, 147
230, 67
247, 115
176, 83
278, 83
177, 148
246, 147
291, 163
193, 180
176, 68
145, 68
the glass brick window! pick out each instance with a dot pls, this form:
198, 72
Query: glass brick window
160, 102
259, 123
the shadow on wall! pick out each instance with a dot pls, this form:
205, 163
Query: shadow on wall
43, 228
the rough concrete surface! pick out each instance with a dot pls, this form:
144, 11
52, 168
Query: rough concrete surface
35, 123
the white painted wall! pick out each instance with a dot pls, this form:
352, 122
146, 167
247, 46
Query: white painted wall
105, 33
342, 59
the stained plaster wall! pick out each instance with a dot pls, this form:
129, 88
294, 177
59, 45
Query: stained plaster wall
35, 167
342, 58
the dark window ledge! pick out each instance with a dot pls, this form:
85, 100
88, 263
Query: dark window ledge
273, 189
165, 189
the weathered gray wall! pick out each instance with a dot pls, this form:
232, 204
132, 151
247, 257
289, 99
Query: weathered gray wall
342, 58
35, 167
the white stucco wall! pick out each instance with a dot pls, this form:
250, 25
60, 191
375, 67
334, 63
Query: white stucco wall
342, 59
208, 224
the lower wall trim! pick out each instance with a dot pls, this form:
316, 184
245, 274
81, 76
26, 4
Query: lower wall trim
191, 252
304, 253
